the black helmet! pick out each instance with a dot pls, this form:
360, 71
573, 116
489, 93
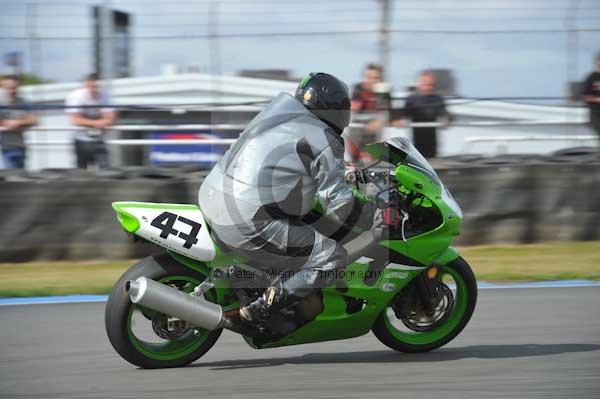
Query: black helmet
327, 97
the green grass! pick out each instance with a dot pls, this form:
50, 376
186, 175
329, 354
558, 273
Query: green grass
499, 263
539, 262
59, 278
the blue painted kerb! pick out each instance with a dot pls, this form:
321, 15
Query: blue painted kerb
482, 285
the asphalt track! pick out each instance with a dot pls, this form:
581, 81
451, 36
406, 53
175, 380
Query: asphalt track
521, 343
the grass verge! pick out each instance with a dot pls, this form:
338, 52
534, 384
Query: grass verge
498, 263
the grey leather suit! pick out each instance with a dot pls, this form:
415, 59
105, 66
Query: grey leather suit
254, 198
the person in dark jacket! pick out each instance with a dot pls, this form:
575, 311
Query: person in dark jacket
288, 157
425, 106
14, 122
591, 95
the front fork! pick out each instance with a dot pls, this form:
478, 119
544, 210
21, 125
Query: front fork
425, 285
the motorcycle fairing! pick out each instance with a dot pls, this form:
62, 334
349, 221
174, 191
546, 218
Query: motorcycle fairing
180, 228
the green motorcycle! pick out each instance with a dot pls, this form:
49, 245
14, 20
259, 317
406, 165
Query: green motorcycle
404, 281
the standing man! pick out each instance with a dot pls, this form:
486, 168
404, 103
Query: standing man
364, 98
90, 147
369, 103
14, 122
591, 95
425, 106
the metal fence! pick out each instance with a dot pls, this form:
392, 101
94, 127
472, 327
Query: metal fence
461, 137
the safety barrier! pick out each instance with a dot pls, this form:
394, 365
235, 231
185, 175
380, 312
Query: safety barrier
470, 141
67, 214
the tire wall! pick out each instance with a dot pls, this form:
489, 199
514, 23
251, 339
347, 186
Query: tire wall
527, 203
68, 214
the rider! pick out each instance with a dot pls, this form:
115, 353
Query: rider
289, 157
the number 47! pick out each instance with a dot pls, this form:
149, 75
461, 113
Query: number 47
165, 222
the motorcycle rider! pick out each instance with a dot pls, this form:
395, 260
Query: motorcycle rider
289, 157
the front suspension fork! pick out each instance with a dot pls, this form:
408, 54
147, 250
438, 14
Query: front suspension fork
425, 284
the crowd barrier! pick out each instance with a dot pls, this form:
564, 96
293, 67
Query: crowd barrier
67, 214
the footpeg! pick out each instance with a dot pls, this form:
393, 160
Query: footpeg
245, 314
205, 286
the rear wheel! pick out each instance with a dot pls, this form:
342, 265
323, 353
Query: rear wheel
150, 339
406, 328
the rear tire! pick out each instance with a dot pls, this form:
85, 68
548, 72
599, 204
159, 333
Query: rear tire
118, 316
418, 342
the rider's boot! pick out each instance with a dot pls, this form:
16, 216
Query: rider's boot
272, 300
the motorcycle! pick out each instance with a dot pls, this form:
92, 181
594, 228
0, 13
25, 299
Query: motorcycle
403, 282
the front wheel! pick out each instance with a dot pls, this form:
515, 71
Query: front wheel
144, 337
412, 334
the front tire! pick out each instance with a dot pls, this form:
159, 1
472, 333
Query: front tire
118, 318
424, 341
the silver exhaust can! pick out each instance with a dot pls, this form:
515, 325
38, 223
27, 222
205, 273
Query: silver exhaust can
170, 301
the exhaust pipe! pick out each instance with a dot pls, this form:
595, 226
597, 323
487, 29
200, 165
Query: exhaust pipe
168, 300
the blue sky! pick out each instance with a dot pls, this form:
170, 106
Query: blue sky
486, 64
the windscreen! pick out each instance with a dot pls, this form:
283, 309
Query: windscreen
400, 150
413, 158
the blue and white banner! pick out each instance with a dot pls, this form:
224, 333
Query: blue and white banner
200, 154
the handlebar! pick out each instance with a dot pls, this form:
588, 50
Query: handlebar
387, 191
365, 176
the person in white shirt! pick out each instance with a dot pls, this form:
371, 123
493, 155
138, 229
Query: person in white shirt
90, 147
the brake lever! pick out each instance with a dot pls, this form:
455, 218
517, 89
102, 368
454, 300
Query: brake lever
404, 220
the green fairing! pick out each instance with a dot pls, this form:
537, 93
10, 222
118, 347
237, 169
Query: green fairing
333, 322
430, 247
449, 255
130, 222
414, 180
127, 220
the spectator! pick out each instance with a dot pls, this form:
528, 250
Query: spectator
14, 122
591, 95
363, 94
90, 147
424, 106
370, 100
